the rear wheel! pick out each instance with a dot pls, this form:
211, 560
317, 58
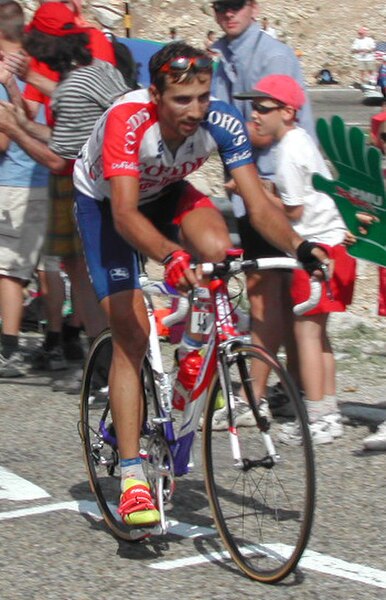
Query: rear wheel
98, 435
263, 506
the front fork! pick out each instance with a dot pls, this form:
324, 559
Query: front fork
227, 353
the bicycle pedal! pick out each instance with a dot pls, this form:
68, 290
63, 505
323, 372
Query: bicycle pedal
140, 533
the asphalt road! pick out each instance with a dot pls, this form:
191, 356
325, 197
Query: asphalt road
54, 546
347, 103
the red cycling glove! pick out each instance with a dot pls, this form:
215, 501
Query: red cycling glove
175, 264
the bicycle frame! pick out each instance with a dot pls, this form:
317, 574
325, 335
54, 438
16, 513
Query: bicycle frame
166, 448
221, 331
223, 336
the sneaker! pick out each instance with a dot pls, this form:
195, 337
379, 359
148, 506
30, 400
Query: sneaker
244, 416
334, 420
48, 360
136, 506
320, 433
279, 403
14, 366
377, 440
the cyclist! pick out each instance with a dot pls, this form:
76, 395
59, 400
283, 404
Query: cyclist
131, 194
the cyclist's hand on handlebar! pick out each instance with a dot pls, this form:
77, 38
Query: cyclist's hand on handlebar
315, 260
178, 272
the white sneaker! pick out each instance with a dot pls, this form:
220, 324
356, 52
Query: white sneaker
334, 420
377, 440
244, 416
320, 433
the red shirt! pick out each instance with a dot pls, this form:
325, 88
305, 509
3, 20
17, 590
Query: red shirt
100, 47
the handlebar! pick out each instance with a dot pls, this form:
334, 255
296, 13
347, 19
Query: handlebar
233, 267
178, 315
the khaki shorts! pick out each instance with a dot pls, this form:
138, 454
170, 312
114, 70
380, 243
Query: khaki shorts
366, 65
62, 235
23, 222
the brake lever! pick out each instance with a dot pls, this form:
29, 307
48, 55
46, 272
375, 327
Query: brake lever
327, 279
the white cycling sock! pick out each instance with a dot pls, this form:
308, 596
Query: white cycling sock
331, 403
316, 409
131, 468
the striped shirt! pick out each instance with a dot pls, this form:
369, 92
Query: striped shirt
78, 102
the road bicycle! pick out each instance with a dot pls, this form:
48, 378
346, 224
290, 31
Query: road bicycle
261, 492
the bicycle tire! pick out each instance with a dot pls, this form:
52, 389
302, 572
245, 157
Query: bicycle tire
97, 432
263, 514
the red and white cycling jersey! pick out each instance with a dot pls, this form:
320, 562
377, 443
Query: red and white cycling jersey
127, 141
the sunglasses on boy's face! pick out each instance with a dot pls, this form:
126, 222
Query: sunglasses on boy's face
223, 7
383, 136
182, 64
265, 110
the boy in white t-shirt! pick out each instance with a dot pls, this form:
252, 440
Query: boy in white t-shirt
275, 102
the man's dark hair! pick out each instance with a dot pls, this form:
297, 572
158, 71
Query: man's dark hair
165, 55
60, 53
11, 21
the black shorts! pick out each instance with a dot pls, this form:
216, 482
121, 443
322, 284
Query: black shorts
253, 244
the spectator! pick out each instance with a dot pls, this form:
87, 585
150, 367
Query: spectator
86, 88
363, 48
209, 41
51, 354
23, 189
247, 55
267, 28
377, 440
173, 35
275, 102
381, 79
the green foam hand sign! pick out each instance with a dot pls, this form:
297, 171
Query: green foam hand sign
359, 187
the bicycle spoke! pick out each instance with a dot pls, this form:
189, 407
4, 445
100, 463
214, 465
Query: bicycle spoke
263, 513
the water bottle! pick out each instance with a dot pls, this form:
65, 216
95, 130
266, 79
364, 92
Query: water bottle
189, 368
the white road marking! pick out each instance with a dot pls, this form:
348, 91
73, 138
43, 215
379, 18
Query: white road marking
185, 530
46, 508
13, 487
314, 561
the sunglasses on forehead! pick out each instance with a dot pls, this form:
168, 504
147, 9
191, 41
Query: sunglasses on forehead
182, 64
264, 110
222, 7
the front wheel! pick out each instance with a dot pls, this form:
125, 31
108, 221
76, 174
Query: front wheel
263, 502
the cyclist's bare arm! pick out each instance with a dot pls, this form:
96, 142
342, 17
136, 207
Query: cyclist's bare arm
136, 229
271, 221
294, 213
268, 219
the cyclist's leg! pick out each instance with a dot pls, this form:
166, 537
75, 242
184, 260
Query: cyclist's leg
203, 230
130, 333
113, 269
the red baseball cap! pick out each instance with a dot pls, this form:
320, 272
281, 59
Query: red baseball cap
281, 88
54, 18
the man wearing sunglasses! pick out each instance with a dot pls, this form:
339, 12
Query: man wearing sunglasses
247, 54
131, 194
